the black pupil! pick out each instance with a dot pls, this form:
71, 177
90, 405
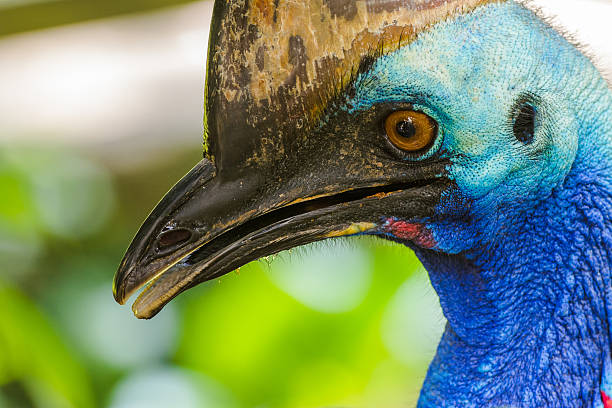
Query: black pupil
406, 129
524, 124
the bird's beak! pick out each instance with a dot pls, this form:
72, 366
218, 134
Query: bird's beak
285, 166
207, 226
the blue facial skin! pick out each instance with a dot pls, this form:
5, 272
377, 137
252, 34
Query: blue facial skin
524, 239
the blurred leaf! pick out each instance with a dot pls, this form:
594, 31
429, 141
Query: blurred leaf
47, 192
15, 206
69, 195
270, 336
20, 243
273, 351
34, 15
34, 354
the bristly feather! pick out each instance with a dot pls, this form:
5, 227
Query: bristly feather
528, 226
571, 37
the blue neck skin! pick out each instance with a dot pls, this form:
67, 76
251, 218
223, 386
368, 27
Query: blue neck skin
523, 243
529, 330
529, 314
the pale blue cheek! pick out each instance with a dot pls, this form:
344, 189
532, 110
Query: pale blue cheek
454, 73
468, 74
476, 180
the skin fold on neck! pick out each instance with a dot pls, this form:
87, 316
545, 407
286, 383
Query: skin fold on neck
529, 313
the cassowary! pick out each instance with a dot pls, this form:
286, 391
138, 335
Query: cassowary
469, 130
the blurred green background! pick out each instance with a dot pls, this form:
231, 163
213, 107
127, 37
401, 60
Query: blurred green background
344, 323
100, 113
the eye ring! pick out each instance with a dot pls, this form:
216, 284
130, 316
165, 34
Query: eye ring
411, 131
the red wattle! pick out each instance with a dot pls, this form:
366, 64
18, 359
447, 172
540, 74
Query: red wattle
417, 233
606, 400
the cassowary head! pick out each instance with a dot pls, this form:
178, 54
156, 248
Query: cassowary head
469, 130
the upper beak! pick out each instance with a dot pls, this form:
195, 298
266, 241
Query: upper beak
207, 226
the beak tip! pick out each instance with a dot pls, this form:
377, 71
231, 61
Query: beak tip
119, 287
118, 293
142, 315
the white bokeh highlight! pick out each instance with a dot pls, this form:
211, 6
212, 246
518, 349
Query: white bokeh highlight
413, 322
330, 277
138, 79
108, 333
163, 387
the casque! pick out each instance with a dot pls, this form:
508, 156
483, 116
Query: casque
470, 130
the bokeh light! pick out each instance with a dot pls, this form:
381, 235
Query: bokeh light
98, 119
413, 322
162, 387
332, 277
114, 337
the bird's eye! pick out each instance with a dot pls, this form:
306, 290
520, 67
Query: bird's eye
411, 131
525, 123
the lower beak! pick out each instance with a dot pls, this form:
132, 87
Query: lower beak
206, 227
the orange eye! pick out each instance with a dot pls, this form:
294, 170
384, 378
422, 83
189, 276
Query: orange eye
411, 131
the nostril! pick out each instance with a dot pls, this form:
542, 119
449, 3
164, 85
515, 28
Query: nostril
173, 238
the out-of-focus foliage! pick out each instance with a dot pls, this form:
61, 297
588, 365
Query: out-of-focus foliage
23, 15
305, 357
340, 323
353, 323
34, 360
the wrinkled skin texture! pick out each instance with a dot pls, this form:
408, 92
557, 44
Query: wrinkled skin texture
523, 242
